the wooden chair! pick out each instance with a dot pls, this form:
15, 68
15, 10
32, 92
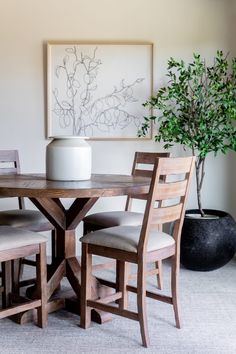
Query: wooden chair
23, 218
14, 244
141, 245
142, 166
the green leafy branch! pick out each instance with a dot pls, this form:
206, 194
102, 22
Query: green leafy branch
196, 109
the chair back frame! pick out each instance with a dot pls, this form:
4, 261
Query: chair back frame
157, 213
143, 158
11, 157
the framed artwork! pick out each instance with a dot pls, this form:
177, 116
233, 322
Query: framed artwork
97, 89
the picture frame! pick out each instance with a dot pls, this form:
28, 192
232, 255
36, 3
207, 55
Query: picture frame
96, 90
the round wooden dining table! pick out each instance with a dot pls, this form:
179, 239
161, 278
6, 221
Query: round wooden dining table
47, 196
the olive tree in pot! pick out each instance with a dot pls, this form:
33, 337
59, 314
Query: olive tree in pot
197, 109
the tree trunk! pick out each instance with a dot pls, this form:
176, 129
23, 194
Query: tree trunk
199, 179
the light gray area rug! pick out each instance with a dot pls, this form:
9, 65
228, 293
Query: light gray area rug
208, 302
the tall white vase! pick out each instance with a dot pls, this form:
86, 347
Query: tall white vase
68, 158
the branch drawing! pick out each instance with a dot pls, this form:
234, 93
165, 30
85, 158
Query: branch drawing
75, 101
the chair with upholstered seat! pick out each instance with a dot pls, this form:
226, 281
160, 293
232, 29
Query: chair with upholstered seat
14, 244
142, 166
141, 245
23, 218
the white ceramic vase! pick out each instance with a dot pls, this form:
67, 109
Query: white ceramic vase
68, 158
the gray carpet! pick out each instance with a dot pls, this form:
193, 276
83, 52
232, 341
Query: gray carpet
208, 302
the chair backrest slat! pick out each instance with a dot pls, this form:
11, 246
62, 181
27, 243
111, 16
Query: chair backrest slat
167, 197
139, 196
180, 165
171, 190
140, 168
167, 214
142, 173
149, 157
10, 165
7, 171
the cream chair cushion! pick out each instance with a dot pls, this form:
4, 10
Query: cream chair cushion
126, 238
11, 237
115, 218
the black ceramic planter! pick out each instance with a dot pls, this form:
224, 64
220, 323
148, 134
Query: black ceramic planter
208, 244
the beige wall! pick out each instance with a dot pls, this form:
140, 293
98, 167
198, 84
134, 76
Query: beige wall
176, 27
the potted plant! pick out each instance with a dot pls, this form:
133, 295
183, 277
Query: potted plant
197, 109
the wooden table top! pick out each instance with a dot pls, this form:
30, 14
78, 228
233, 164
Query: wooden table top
100, 185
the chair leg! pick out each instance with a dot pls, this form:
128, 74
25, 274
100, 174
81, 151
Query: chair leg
86, 266
158, 265
53, 245
17, 271
41, 270
7, 283
141, 304
122, 278
174, 289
